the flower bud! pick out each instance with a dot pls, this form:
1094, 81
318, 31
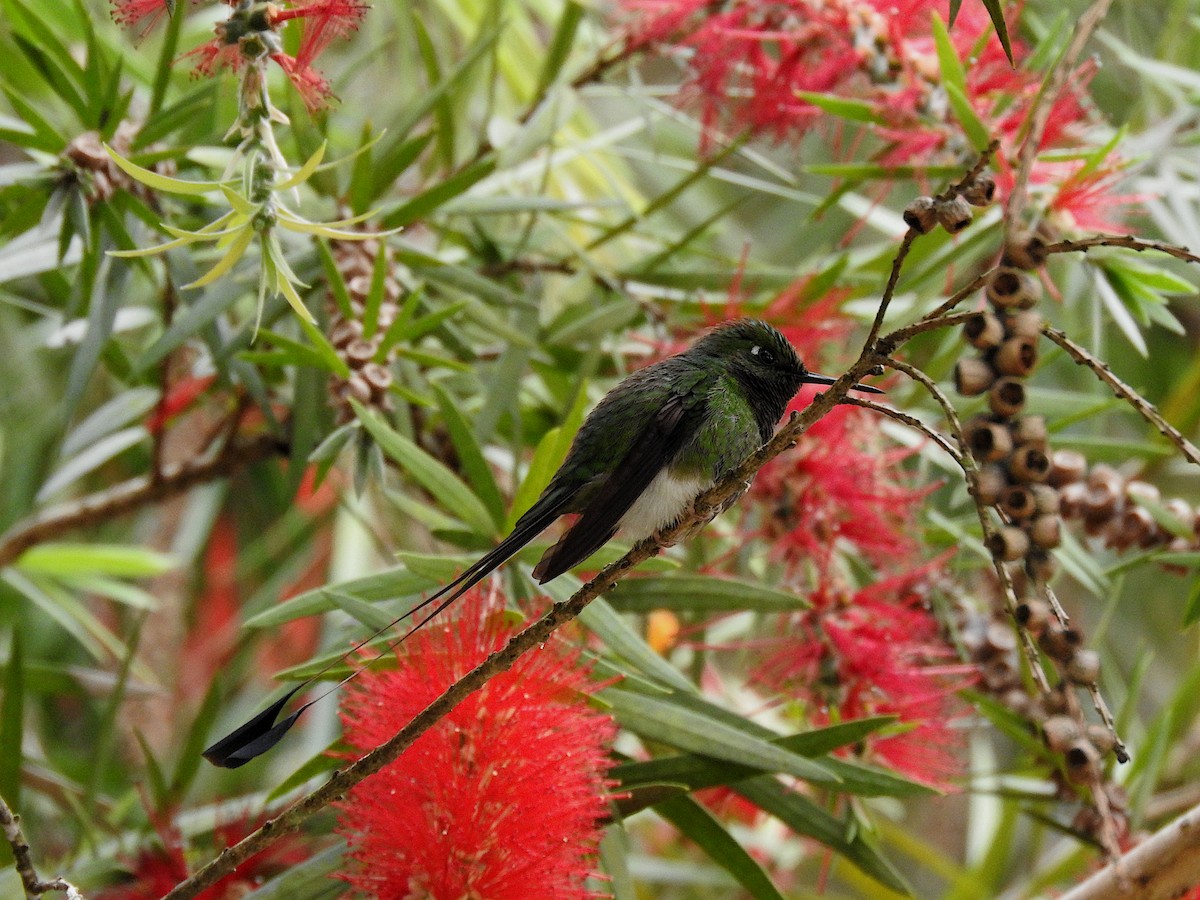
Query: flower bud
972, 376
983, 331
1017, 356
1007, 398
920, 215
1010, 288
954, 214
1008, 543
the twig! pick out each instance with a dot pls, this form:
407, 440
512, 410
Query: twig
133, 494
1127, 241
1167, 864
1144, 408
1039, 116
911, 421
10, 824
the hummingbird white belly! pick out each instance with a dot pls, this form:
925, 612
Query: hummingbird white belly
661, 504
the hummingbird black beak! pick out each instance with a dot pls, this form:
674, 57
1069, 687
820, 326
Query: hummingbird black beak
814, 378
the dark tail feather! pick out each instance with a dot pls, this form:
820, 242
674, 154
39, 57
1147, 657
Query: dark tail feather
258, 735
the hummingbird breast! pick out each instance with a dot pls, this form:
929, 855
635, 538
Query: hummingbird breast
662, 503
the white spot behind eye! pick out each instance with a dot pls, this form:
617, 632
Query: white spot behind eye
754, 350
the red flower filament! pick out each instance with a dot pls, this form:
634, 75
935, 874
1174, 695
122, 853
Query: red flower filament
502, 798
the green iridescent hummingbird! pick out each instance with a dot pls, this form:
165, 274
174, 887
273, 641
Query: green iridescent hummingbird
656, 441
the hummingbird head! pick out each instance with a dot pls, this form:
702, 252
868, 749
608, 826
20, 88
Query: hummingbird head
765, 363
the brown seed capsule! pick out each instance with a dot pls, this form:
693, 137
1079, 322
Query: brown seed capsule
988, 441
1031, 430
1067, 466
1083, 762
1061, 732
989, 484
998, 674
1136, 490
1181, 511
1017, 502
920, 215
1102, 738
359, 352
1106, 477
1071, 499
1046, 531
983, 331
379, 377
1045, 499
1134, 527
1026, 323
954, 214
1017, 356
981, 191
1084, 667
1008, 544
998, 640
1028, 464
1010, 288
1019, 701
1026, 251
1053, 703
1033, 615
1059, 643
972, 376
1006, 398
357, 387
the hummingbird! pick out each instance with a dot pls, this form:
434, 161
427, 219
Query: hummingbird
653, 444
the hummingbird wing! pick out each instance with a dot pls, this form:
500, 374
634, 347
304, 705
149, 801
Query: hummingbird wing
653, 448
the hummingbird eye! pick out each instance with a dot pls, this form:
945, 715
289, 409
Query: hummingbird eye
763, 354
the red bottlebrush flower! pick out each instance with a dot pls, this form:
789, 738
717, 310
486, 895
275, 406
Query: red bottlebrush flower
141, 15
214, 55
878, 652
502, 798
314, 90
324, 21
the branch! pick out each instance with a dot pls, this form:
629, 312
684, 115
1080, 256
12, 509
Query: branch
1167, 864
1144, 408
10, 824
1128, 241
133, 494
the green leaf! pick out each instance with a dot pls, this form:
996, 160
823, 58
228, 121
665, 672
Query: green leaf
661, 719
310, 879
470, 456
996, 12
426, 202
950, 66
12, 718
560, 45
159, 182
607, 624
701, 593
698, 824
393, 584
428, 472
370, 616
843, 108
972, 126
64, 559
91, 458
547, 457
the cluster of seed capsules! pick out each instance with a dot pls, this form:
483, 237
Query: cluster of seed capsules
370, 378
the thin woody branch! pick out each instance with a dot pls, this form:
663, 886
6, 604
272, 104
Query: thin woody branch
134, 494
10, 825
1165, 865
1143, 407
1127, 241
